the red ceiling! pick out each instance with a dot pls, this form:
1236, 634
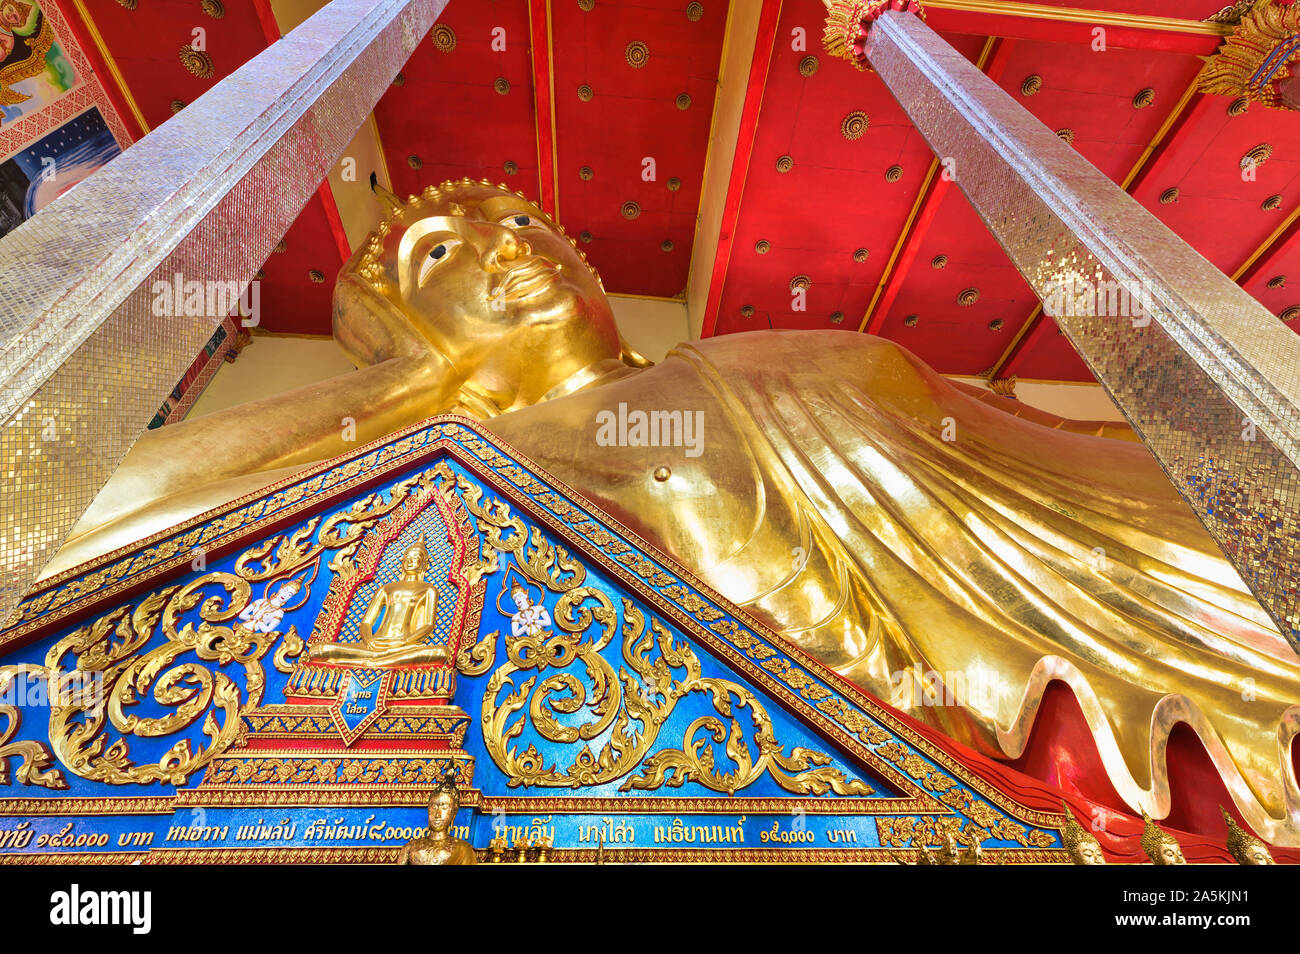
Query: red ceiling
448, 114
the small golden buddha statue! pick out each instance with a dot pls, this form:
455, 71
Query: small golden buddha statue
1082, 845
886, 520
439, 846
1245, 847
410, 615
949, 853
1161, 847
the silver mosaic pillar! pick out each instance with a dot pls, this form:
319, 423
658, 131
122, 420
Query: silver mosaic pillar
85, 361
1207, 376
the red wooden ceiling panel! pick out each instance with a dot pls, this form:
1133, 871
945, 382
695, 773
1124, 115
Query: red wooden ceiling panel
632, 116
448, 114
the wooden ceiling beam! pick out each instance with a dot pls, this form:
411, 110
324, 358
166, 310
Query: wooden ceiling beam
1033, 21
541, 49
764, 45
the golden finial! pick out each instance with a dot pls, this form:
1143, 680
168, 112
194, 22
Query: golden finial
1160, 846
1245, 847
843, 27
1083, 846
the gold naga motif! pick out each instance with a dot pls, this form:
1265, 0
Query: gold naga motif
97, 673
1257, 61
643, 691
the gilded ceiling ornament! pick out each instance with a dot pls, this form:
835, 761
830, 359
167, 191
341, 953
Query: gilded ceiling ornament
996, 324
1245, 847
800, 282
501, 85
674, 184
1144, 98
444, 38
1232, 13
837, 317
683, 101
585, 173
212, 8
846, 25
854, 125
666, 245
861, 255
129, 4
1066, 134
968, 296
694, 11
1272, 203
1160, 846
911, 321
1006, 387
316, 275
893, 173
747, 311
1257, 156
939, 261
177, 105
808, 65
1082, 844
415, 162
762, 246
260, 274
511, 167
1169, 196
585, 93
586, 6
1032, 84
585, 237
399, 79
1238, 106
1290, 314
196, 61
630, 210
638, 54
1256, 61
784, 164
1277, 281
281, 246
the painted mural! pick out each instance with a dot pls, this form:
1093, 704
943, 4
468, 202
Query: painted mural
34, 70
34, 176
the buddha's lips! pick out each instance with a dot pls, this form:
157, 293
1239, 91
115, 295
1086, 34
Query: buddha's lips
527, 279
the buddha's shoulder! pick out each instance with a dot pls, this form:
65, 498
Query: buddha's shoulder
765, 347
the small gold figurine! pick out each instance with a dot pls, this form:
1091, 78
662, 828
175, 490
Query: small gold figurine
1160, 846
439, 847
410, 609
1083, 846
1245, 847
498, 847
949, 854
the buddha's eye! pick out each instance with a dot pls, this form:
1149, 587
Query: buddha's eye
436, 256
517, 221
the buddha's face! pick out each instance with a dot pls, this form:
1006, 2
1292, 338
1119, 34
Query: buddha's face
494, 288
1257, 855
442, 811
414, 562
1088, 853
1170, 854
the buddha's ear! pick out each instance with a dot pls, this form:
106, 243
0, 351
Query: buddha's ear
631, 357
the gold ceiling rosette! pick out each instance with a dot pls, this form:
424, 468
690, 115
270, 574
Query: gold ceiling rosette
1258, 58
847, 21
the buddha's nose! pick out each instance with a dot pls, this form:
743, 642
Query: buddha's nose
506, 246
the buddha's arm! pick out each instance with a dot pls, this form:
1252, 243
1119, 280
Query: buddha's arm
377, 603
301, 426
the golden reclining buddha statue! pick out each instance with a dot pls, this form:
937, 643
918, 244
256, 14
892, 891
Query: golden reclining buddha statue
870, 511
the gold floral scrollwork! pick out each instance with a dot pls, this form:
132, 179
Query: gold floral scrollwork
628, 707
